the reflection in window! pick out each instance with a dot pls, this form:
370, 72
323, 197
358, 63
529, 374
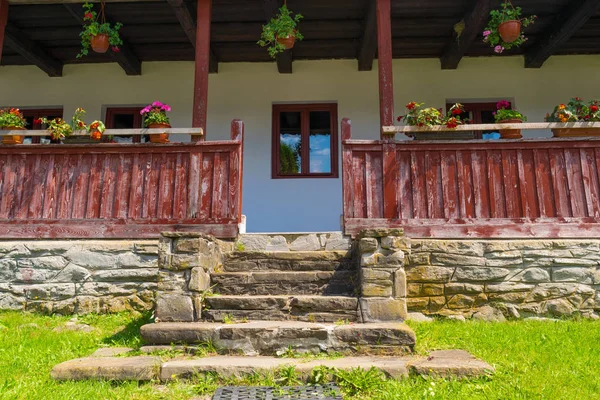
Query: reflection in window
320, 142
290, 143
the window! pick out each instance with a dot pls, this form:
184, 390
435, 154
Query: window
33, 114
304, 141
124, 118
478, 113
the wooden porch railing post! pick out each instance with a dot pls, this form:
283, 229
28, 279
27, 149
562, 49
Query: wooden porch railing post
202, 66
384, 61
347, 171
390, 180
237, 169
3, 21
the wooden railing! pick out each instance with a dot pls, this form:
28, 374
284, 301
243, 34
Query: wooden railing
501, 188
121, 190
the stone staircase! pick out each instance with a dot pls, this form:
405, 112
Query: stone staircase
310, 286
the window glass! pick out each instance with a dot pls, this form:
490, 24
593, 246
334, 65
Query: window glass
290, 143
320, 142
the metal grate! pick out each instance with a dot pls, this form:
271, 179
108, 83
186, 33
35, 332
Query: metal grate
325, 392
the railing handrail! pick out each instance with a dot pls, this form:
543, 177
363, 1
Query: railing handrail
487, 127
113, 132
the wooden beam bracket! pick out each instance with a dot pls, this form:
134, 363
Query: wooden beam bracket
29, 49
368, 43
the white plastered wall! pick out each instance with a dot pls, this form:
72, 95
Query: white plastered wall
247, 91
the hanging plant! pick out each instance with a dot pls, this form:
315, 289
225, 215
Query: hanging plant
503, 31
97, 33
281, 32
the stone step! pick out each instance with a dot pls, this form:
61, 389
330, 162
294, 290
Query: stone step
242, 261
276, 337
281, 308
260, 283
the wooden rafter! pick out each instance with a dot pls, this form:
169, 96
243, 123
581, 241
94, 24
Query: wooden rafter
126, 58
284, 60
368, 43
29, 49
3, 21
576, 14
188, 23
472, 24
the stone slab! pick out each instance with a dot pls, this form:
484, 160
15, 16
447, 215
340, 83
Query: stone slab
111, 351
451, 363
140, 368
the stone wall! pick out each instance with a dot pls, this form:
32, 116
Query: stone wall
519, 278
78, 276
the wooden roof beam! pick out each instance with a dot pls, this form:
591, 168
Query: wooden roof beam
19, 42
126, 58
368, 43
3, 21
575, 15
284, 59
188, 23
472, 24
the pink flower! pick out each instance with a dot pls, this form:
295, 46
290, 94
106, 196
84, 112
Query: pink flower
487, 33
498, 49
157, 104
503, 105
115, 49
167, 108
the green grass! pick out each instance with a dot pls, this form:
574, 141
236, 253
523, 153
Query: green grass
533, 359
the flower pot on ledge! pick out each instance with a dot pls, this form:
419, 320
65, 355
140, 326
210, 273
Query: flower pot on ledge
572, 132
510, 133
160, 137
443, 135
510, 30
99, 43
13, 139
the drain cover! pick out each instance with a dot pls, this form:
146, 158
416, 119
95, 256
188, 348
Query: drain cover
325, 392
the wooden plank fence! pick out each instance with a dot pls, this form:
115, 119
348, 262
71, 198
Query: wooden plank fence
121, 190
479, 189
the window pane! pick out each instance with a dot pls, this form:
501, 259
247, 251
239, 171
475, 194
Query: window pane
290, 143
320, 142
123, 121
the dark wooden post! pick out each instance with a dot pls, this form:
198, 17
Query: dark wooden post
237, 169
3, 20
202, 65
384, 44
347, 171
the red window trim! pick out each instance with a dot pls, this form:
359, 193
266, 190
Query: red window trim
37, 113
476, 109
137, 119
275, 139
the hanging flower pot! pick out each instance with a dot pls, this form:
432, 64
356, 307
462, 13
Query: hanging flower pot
287, 41
99, 43
281, 32
510, 31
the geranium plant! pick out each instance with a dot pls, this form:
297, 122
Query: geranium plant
96, 129
95, 24
282, 26
12, 118
494, 34
575, 110
505, 112
419, 116
60, 129
156, 113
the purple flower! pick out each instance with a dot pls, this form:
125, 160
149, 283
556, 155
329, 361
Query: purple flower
145, 110
503, 105
167, 108
157, 104
487, 33
498, 49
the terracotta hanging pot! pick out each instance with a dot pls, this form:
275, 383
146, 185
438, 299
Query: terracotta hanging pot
510, 133
13, 139
160, 137
569, 132
510, 30
99, 43
288, 41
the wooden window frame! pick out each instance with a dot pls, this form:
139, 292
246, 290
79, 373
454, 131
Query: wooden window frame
476, 108
137, 119
304, 109
38, 113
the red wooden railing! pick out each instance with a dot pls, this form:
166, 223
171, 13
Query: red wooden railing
121, 190
484, 189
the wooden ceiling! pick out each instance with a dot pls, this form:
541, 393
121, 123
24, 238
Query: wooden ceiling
47, 35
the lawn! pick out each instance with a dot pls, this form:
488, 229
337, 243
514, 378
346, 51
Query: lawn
534, 360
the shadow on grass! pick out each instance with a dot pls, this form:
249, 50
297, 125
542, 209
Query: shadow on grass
129, 336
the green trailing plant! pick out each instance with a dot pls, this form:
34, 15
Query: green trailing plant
505, 112
283, 25
575, 110
507, 12
95, 24
12, 118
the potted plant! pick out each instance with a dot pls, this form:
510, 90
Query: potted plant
503, 31
12, 120
155, 117
281, 32
61, 130
419, 116
576, 111
96, 129
506, 115
97, 33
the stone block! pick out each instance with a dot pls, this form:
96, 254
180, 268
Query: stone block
460, 301
370, 259
504, 262
459, 247
433, 289
580, 275
418, 259
575, 262
376, 274
511, 297
456, 260
381, 232
414, 289
8, 270
44, 262
33, 275
90, 259
199, 280
147, 248
532, 275
480, 274
278, 243
559, 308
451, 364
186, 245
464, 288
72, 273
418, 303
396, 258
132, 260
336, 241
506, 287
399, 284
436, 303
429, 274
489, 314
140, 368
396, 243
306, 243
383, 310
50, 291
368, 245
379, 289
252, 242
545, 291
10, 302
184, 261
174, 308
127, 275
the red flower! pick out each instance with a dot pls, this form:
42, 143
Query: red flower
456, 111
400, 118
411, 105
37, 121
115, 49
594, 108
452, 123
88, 16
